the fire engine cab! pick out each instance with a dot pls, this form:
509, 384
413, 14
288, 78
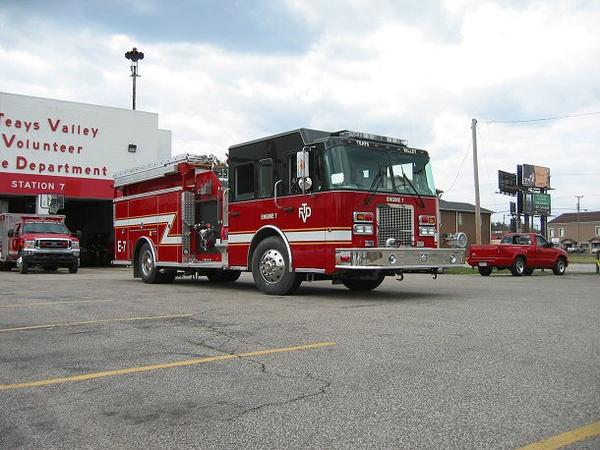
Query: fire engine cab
298, 206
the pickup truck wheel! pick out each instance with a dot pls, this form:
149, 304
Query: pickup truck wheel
560, 267
22, 265
73, 268
518, 267
147, 264
484, 271
271, 268
362, 285
223, 276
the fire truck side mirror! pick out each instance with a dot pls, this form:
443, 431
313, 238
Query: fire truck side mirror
303, 169
11, 233
304, 183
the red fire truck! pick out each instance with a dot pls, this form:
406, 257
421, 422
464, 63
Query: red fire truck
298, 206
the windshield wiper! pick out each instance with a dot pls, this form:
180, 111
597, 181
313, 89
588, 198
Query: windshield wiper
412, 187
374, 186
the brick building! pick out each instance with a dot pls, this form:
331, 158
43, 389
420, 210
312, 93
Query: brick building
572, 229
459, 216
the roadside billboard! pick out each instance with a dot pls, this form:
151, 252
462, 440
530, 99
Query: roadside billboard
538, 204
507, 182
535, 176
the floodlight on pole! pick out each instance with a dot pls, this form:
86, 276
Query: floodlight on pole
134, 56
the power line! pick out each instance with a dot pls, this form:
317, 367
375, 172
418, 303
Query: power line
570, 116
459, 169
487, 172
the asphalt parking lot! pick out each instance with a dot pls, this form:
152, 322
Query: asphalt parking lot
98, 359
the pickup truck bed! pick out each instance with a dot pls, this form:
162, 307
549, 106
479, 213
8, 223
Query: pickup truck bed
521, 253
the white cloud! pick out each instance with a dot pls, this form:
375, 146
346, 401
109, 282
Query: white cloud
373, 66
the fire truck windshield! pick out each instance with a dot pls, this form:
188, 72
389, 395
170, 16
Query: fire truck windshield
45, 227
378, 170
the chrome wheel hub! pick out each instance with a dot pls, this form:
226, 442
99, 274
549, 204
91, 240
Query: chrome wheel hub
272, 266
147, 263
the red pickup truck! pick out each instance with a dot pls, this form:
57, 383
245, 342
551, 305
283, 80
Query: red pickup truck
28, 240
521, 253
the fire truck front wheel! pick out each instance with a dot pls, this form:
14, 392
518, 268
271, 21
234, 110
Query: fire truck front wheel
271, 268
362, 285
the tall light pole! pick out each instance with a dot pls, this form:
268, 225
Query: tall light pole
134, 56
579, 197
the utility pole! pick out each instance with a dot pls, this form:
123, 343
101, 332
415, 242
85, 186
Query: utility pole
476, 181
579, 197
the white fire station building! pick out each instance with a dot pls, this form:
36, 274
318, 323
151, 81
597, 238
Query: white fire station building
54, 152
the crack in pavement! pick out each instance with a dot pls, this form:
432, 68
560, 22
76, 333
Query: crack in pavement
320, 391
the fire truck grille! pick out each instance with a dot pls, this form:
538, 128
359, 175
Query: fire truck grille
52, 243
396, 223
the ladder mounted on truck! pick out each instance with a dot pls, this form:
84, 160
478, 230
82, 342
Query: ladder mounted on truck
160, 168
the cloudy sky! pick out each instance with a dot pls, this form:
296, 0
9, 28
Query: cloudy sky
224, 72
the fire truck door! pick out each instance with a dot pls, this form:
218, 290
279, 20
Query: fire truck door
306, 222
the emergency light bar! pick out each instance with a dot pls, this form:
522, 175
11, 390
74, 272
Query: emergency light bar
370, 137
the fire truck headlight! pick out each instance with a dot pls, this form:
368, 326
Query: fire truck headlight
426, 231
29, 244
363, 228
75, 245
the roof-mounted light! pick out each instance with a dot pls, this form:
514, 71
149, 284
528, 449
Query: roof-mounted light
371, 137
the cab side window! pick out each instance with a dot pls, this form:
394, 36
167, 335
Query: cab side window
244, 182
265, 178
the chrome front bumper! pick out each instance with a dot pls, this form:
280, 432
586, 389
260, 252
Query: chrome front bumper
400, 259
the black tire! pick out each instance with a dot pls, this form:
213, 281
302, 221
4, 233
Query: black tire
147, 265
223, 276
271, 268
518, 267
74, 267
560, 267
5, 266
24, 267
362, 285
528, 271
484, 271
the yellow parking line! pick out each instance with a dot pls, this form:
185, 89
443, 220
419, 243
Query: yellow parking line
186, 362
567, 438
20, 305
87, 322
